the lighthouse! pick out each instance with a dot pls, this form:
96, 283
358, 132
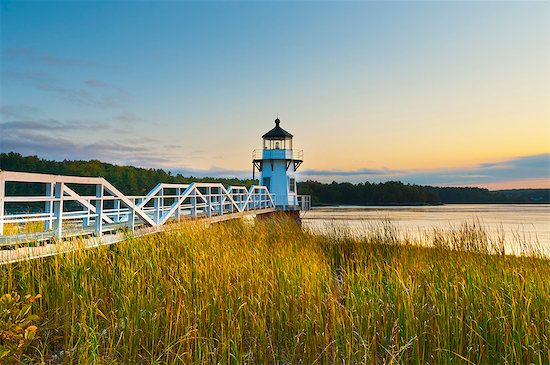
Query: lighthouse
277, 163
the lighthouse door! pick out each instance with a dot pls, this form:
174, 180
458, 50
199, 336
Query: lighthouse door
267, 183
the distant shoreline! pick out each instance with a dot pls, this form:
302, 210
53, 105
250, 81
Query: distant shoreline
425, 205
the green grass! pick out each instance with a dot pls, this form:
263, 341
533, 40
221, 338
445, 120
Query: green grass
271, 293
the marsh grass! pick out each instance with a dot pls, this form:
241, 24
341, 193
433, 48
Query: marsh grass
270, 293
28, 227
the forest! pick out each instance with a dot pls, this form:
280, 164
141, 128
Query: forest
399, 193
138, 181
128, 179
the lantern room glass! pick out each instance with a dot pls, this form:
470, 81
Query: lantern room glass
278, 144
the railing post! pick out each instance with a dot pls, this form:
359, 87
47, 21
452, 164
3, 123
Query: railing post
177, 212
220, 200
99, 210
116, 207
231, 207
262, 195
2, 195
161, 205
158, 205
48, 206
208, 202
58, 210
156, 212
132, 215
86, 220
194, 203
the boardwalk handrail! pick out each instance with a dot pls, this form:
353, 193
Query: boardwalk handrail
64, 207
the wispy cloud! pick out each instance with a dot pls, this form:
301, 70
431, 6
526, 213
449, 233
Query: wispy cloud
99, 84
50, 125
52, 139
18, 111
523, 167
31, 55
128, 117
43, 144
59, 140
94, 93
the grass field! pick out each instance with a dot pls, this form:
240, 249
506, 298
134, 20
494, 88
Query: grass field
271, 293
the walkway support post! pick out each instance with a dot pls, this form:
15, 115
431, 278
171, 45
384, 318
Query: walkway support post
132, 215
99, 210
48, 206
220, 201
156, 212
58, 209
194, 203
116, 207
208, 201
177, 212
161, 204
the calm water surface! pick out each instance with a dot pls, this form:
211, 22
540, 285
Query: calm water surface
518, 223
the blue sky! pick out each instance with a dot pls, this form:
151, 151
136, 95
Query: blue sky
447, 93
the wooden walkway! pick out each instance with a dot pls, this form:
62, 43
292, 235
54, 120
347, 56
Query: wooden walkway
68, 214
43, 244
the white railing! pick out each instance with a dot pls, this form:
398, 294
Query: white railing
92, 204
294, 202
303, 202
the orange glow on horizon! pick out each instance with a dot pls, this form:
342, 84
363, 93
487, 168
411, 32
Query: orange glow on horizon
516, 184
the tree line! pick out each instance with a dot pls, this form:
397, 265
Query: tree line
128, 179
398, 193
139, 181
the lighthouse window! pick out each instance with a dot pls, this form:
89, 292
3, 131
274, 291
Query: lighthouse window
267, 182
292, 187
277, 147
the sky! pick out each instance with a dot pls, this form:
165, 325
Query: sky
441, 93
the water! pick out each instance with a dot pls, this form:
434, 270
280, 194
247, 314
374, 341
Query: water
519, 224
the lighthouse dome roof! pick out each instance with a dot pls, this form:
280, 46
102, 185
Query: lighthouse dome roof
277, 132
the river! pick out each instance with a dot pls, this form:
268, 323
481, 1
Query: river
518, 224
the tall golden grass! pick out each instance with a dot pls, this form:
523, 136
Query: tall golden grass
271, 293
30, 227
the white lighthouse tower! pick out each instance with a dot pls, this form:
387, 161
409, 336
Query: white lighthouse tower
277, 163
